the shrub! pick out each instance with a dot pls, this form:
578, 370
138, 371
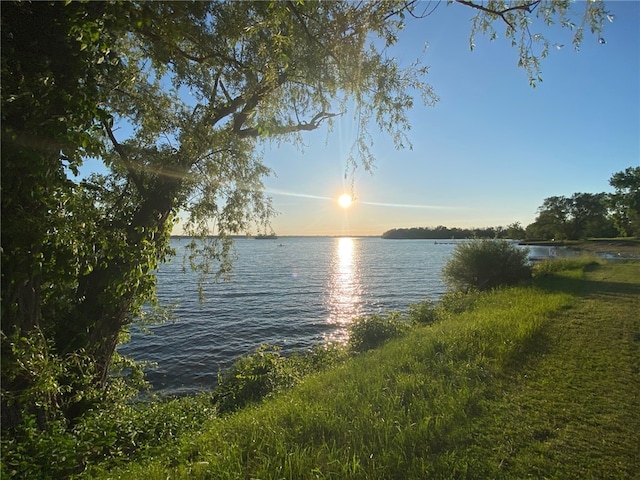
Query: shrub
424, 313
369, 332
252, 377
101, 438
255, 376
457, 302
318, 358
486, 264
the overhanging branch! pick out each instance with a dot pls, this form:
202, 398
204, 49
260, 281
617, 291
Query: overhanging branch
526, 7
276, 129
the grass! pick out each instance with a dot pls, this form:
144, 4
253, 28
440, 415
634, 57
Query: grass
572, 411
539, 381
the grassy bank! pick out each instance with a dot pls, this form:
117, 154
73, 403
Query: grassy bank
537, 381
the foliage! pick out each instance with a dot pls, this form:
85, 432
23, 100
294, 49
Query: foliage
44, 443
589, 215
255, 376
444, 233
581, 216
486, 264
457, 302
102, 437
48, 379
251, 378
451, 304
424, 313
625, 202
524, 22
370, 332
53, 57
515, 231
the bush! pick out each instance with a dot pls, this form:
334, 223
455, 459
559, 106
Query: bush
457, 302
486, 264
255, 376
318, 358
101, 438
424, 313
251, 378
370, 332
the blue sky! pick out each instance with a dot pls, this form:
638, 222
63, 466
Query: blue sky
491, 150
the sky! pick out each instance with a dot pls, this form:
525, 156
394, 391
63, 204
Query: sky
491, 150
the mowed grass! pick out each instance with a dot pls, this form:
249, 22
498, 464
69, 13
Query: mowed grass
533, 382
572, 410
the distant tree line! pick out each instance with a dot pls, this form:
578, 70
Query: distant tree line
581, 216
443, 233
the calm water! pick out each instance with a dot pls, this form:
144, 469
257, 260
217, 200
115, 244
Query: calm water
291, 292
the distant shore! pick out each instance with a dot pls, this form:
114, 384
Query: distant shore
622, 247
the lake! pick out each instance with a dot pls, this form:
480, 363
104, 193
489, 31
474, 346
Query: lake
292, 291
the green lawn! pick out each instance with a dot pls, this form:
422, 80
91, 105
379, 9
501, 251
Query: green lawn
571, 408
534, 382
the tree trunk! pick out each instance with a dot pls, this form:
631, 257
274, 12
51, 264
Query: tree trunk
104, 309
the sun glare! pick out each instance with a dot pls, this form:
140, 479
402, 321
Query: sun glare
345, 200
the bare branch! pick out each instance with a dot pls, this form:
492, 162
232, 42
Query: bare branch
428, 10
527, 7
224, 90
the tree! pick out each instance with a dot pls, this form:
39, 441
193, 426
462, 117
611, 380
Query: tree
515, 231
552, 220
52, 61
590, 216
175, 98
625, 202
581, 216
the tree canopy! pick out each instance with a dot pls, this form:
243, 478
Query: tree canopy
174, 99
625, 202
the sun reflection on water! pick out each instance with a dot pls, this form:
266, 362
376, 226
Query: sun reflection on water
345, 288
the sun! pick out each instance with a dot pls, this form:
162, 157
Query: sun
345, 200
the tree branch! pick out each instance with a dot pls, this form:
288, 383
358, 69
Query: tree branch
314, 123
121, 150
252, 102
527, 7
179, 52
